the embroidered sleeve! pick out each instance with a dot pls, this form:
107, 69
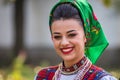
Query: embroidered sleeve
41, 75
46, 73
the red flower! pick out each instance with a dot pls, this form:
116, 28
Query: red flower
94, 16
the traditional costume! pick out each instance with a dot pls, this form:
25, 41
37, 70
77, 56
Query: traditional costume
83, 70
96, 43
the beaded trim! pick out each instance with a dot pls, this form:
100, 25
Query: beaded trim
80, 72
74, 67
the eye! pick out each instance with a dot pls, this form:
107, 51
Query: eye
72, 35
57, 37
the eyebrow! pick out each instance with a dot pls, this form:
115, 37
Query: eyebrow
56, 33
67, 32
71, 31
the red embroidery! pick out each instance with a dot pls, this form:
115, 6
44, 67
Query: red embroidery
48, 73
42, 74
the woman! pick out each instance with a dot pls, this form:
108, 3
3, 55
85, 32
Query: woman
79, 40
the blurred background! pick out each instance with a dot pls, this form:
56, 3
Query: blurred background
25, 41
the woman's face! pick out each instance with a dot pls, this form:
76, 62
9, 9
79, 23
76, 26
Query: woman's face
69, 39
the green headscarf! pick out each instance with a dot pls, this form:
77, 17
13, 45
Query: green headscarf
96, 41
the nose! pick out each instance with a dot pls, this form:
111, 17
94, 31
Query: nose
64, 42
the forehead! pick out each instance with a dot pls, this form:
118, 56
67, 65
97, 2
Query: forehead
66, 25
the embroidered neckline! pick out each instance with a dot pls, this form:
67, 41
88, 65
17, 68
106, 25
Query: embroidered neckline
74, 67
80, 72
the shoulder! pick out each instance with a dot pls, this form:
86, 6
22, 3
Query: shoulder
45, 73
96, 73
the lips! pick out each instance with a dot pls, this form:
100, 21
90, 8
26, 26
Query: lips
67, 50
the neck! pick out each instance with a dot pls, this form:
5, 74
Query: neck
68, 64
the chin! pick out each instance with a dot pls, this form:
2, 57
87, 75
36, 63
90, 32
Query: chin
68, 58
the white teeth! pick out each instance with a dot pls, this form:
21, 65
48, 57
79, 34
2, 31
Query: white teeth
67, 50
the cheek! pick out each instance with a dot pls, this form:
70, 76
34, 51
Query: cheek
79, 42
53, 40
56, 43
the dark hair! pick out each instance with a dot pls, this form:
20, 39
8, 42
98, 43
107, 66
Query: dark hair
66, 11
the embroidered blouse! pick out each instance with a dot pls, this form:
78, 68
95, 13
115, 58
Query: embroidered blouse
93, 73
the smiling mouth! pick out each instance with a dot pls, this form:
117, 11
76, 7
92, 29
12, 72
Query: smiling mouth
67, 50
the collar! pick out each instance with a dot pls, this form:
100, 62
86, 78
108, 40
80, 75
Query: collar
75, 66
